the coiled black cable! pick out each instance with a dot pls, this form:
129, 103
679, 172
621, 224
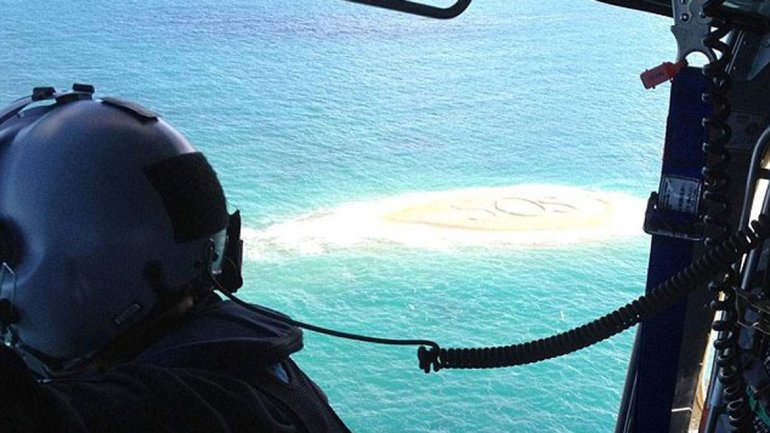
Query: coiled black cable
718, 133
717, 260
728, 353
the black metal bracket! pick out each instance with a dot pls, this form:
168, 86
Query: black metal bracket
663, 222
420, 9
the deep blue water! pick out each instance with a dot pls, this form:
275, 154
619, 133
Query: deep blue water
308, 105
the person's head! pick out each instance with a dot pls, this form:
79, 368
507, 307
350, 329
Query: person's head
108, 216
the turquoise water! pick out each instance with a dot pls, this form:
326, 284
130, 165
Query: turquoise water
306, 106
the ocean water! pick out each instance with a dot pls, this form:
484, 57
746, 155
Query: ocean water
307, 106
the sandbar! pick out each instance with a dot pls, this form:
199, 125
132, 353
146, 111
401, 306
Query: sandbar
531, 215
512, 209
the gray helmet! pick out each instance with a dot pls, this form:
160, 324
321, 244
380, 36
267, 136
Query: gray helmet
107, 214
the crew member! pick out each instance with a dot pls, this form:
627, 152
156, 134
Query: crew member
114, 233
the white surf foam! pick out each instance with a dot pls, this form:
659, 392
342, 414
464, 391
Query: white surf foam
367, 223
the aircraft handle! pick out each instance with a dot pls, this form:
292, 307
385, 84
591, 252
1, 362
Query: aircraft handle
420, 9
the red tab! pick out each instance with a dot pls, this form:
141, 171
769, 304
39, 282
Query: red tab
661, 74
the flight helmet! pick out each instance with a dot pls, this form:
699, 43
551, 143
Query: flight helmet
107, 215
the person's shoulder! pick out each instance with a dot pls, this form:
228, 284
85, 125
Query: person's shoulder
222, 336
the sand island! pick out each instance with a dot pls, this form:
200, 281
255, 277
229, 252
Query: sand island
521, 215
520, 208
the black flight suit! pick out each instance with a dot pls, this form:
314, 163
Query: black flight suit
224, 370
